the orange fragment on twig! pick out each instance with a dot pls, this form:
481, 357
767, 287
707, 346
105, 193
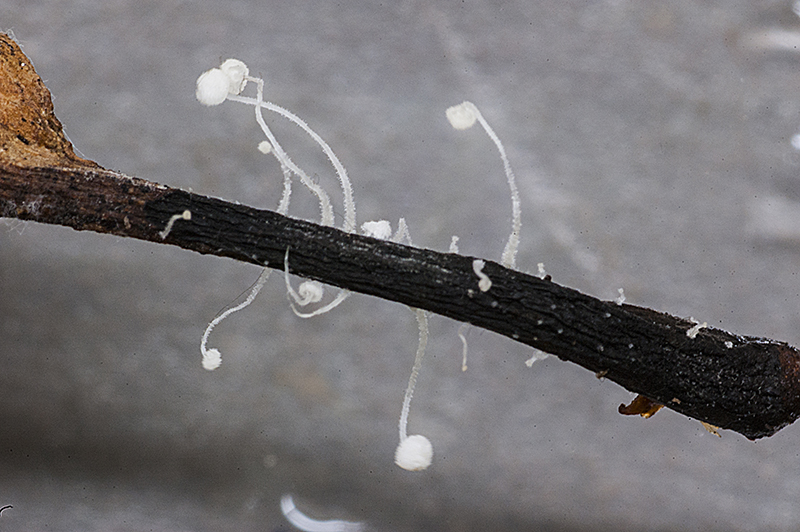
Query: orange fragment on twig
640, 406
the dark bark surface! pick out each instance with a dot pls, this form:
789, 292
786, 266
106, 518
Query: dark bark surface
749, 385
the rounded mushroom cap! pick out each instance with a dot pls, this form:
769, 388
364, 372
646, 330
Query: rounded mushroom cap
381, 229
212, 359
236, 71
414, 453
461, 116
212, 87
264, 147
310, 292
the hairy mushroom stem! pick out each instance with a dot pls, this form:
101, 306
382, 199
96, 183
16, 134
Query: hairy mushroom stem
415, 452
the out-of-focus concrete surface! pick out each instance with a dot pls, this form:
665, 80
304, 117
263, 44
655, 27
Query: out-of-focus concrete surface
652, 143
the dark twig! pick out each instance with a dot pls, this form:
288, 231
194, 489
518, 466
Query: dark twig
748, 385
744, 384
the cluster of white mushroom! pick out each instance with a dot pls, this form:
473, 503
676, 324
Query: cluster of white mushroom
227, 82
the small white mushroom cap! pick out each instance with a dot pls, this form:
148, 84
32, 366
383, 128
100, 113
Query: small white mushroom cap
236, 71
212, 87
212, 359
310, 292
461, 116
264, 147
414, 453
381, 229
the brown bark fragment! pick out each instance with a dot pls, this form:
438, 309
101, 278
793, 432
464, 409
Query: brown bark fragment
30, 134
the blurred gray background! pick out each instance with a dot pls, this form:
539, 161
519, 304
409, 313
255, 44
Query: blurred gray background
653, 147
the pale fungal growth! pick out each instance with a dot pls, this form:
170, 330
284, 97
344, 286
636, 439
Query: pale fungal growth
484, 283
287, 165
212, 358
402, 236
414, 453
541, 274
310, 292
283, 206
463, 116
692, 333
454, 245
462, 336
185, 215
729, 344
347, 189
621, 297
264, 147
340, 297
305, 523
380, 229
214, 86
795, 140
226, 83
236, 72
535, 357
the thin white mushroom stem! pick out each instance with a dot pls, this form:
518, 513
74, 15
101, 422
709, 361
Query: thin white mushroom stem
226, 82
212, 358
283, 206
340, 297
324, 201
347, 188
454, 245
185, 215
415, 452
422, 322
463, 116
510, 251
462, 336
303, 522
402, 236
